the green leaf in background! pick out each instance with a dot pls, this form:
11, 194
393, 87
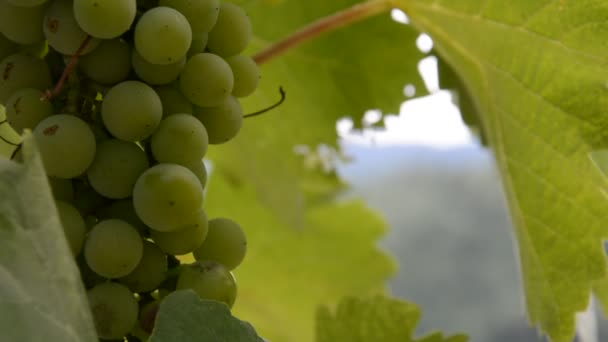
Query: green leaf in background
365, 66
374, 319
288, 272
538, 73
41, 294
184, 317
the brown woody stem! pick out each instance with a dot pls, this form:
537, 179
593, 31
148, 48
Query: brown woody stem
69, 68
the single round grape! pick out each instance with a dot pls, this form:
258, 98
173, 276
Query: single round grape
20, 71
246, 75
26, 107
173, 101
199, 44
113, 248
62, 189
62, 31
66, 144
222, 122
131, 111
210, 280
199, 169
206, 80
73, 224
156, 74
114, 310
109, 63
162, 36
185, 239
167, 196
180, 139
201, 14
116, 167
122, 210
20, 24
150, 271
105, 19
26, 3
232, 32
225, 243
7, 47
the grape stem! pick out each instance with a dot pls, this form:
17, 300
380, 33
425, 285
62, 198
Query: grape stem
8, 141
327, 24
69, 68
262, 111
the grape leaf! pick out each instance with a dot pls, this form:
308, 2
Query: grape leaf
41, 294
537, 71
373, 319
343, 73
288, 272
185, 317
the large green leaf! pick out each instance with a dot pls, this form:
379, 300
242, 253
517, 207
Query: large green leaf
288, 272
343, 73
373, 319
41, 295
537, 70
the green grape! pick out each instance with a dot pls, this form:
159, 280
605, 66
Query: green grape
116, 167
26, 107
7, 47
180, 139
185, 239
62, 31
86, 199
162, 36
199, 43
246, 75
26, 3
173, 101
131, 111
232, 32
20, 71
62, 189
222, 122
167, 196
66, 144
89, 278
225, 243
198, 168
201, 14
109, 63
20, 24
105, 19
99, 132
122, 210
210, 280
73, 225
113, 248
150, 271
156, 73
114, 310
206, 80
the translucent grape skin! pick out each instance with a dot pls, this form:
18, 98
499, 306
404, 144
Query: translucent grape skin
167, 197
21, 24
156, 74
150, 271
122, 210
20, 71
114, 310
116, 167
246, 75
225, 243
173, 101
131, 111
73, 226
183, 240
62, 189
222, 122
113, 248
109, 63
62, 31
210, 280
180, 139
199, 44
201, 14
55, 137
105, 19
199, 170
26, 107
162, 36
232, 31
206, 80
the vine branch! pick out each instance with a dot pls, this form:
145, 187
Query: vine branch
69, 68
330, 23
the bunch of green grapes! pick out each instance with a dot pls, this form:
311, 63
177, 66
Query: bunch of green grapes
124, 98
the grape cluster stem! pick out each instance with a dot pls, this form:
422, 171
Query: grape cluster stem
69, 68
